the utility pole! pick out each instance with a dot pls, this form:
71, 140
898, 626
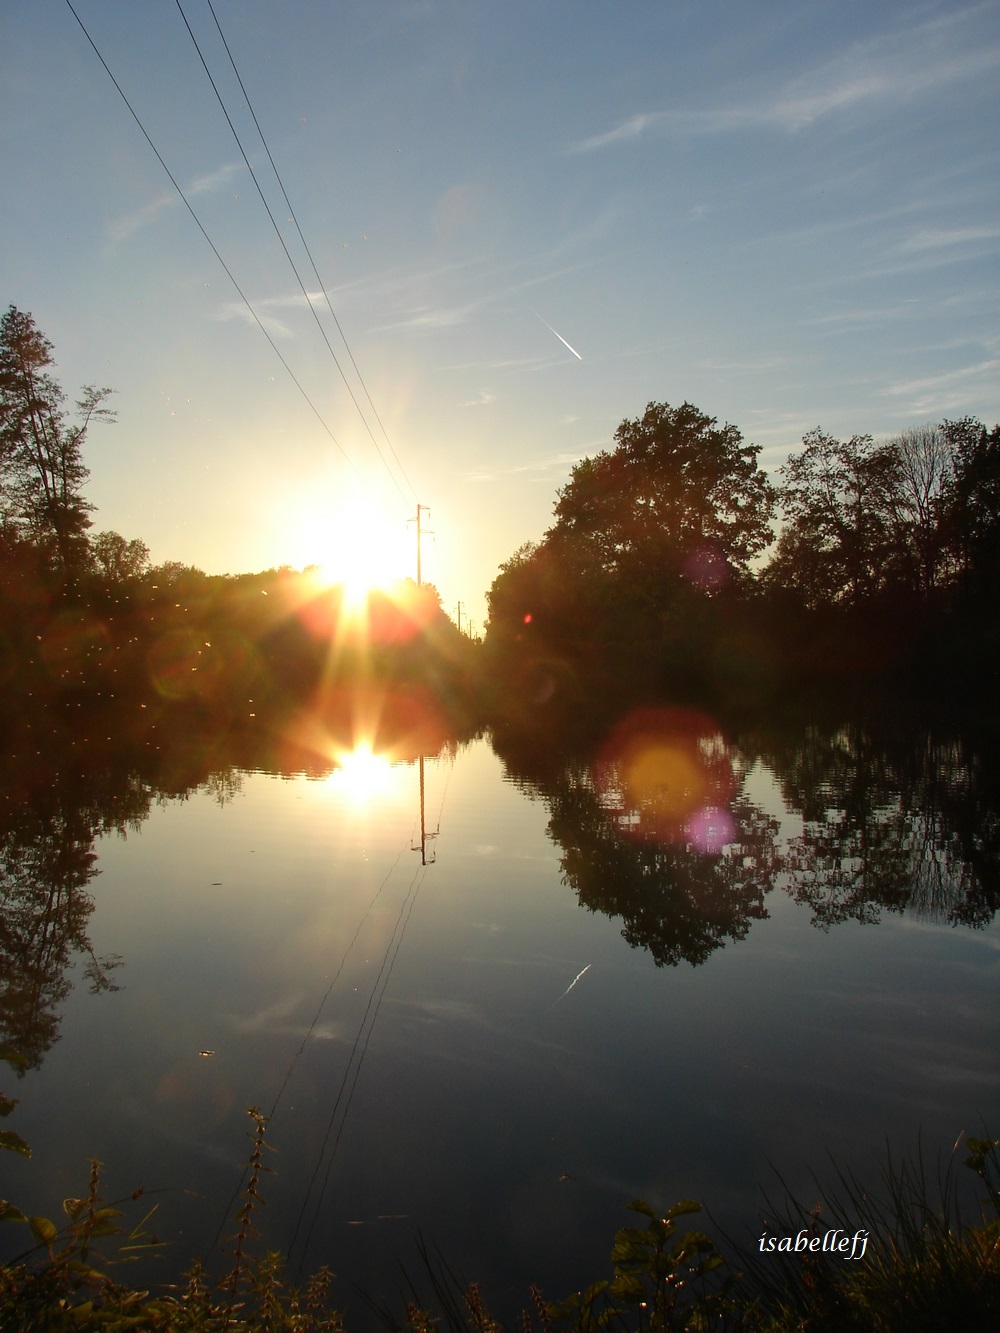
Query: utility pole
460, 617
426, 511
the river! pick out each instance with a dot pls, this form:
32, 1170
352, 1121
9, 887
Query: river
667, 966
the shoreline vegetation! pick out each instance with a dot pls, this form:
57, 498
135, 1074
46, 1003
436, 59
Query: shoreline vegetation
921, 1257
675, 568
864, 573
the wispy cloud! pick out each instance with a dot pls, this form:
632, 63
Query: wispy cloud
431, 317
625, 132
948, 391
267, 309
934, 238
556, 462
895, 67
749, 366
122, 228
484, 400
561, 463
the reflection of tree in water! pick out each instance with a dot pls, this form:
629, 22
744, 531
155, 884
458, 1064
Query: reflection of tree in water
52, 809
678, 902
905, 822
656, 829
60, 791
46, 862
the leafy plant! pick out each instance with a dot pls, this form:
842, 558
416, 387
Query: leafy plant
663, 1280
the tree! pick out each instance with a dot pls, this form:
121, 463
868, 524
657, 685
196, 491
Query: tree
650, 552
841, 536
42, 472
973, 501
925, 467
678, 494
118, 560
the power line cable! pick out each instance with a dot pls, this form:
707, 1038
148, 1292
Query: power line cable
281, 239
357, 1075
336, 977
347, 1070
305, 246
212, 245
228, 1211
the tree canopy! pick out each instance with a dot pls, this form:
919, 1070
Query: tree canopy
678, 492
42, 472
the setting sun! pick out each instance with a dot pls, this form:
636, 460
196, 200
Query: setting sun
351, 543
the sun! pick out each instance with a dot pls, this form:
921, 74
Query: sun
354, 546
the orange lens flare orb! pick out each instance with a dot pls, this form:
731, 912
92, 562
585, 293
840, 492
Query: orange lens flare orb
663, 774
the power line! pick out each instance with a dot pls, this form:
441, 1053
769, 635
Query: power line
281, 240
374, 999
228, 1211
305, 246
212, 245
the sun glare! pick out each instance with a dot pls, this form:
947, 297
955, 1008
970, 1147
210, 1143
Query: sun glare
358, 549
361, 775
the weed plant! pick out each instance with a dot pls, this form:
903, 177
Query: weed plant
925, 1268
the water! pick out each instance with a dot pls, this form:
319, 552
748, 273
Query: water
660, 967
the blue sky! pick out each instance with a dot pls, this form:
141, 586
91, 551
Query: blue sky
530, 218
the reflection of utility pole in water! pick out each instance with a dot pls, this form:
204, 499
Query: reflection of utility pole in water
425, 837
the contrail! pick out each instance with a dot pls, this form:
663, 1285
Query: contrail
565, 344
589, 965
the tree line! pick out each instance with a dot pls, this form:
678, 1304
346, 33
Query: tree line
84, 614
675, 559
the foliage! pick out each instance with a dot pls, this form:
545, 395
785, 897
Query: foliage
910, 514
41, 454
60, 1282
662, 1280
924, 1268
678, 494
118, 560
973, 501
837, 498
651, 550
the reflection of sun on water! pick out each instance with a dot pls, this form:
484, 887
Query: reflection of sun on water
361, 775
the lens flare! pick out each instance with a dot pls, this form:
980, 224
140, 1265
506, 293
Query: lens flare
664, 773
361, 775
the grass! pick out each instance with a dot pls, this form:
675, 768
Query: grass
926, 1266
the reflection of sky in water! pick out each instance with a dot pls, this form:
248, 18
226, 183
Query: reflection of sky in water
507, 1039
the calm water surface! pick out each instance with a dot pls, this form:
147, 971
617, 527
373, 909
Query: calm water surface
653, 971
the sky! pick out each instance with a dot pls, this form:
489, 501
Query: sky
530, 219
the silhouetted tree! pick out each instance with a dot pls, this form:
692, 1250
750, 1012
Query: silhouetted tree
973, 500
118, 560
41, 454
652, 540
678, 494
924, 472
841, 533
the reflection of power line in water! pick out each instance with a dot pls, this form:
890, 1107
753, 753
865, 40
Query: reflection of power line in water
227, 1214
374, 1004
411, 897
